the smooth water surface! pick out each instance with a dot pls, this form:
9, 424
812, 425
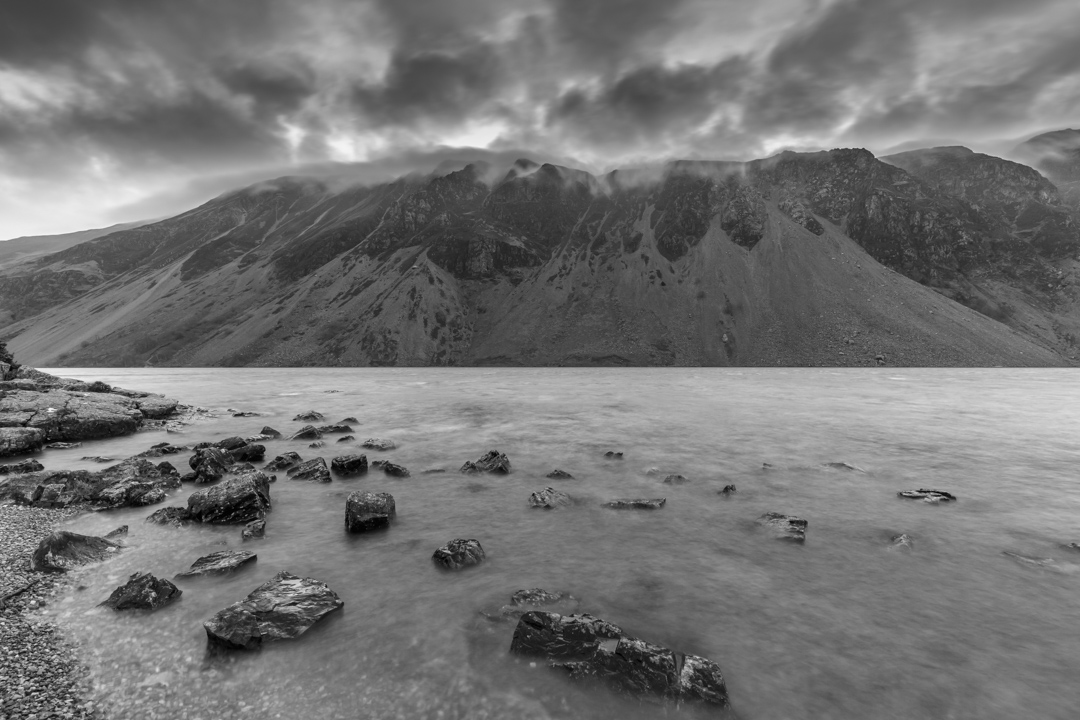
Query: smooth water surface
841, 627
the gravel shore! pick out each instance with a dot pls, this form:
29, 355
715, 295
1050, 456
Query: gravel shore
40, 674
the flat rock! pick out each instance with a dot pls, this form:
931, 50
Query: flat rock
585, 646
931, 496
459, 553
314, 470
549, 498
637, 504
283, 461
309, 416
492, 462
365, 511
283, 608
559, 475
143, 591
219, 563
784, 527
378, 444
254, 530
349, 464
235, 501
308, 432
61, 551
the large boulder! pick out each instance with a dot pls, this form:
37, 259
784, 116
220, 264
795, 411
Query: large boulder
637, 504
235, 501
219, 563
549, 498
143, 591
313, 470
349, 464
62, 551
365, 511
492, 462
784, 527
283, 608
210, 464
587, 647
459, 553
19, 440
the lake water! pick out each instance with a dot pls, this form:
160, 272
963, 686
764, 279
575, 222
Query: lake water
841, 627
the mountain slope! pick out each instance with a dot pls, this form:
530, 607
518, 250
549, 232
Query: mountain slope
797, 259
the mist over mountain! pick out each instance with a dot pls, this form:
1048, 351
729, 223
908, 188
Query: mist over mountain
930, 257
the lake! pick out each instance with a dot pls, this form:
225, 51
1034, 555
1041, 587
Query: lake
843, 626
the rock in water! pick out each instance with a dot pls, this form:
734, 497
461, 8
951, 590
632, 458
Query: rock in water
248, 452
135, 482
901, 542
378, 444
612, 455
21, 468
524, 601
559, 475
308, 432
549, 498
346, 438
175, 516
210, 464
365, 511
349, 464
330, 429
62, 550
283, 462
269, 432
218, 563
237, 500
18, 440
459, 553
119, 532
728, 491
393, 470
785, 527
927, 495
313, 470
586, 646
309, 416
637, 504
493, 462
254, 530
143, 591
281, 609
676, 479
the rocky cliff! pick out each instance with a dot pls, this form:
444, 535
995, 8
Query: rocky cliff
829, 258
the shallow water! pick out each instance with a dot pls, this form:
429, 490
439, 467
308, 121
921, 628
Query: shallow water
841, 627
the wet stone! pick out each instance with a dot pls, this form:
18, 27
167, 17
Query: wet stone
313, 470
308, 432
612, 455
459, 553
728, 490
559, 475
143, 591
283, 461
784, 527
349, 464
549, 498
491, 462
378, 444
61, 551
254, 530
931, 496
366, 511
676, 479
219, 563
309, 416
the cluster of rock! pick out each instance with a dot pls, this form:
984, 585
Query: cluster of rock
236, 500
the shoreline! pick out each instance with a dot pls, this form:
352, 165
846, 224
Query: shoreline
42, 673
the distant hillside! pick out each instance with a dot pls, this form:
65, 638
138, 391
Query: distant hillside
29, 247
1057, 155
832, 258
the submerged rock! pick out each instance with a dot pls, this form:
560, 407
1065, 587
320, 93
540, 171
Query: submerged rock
317, 444
843, 466
587, 647
346, 438
237, 500
459, 553
61, 551
283, 608
392, 469
175, 516
931, 496
218, 563
143, 591
329, 429
308, 432
313, 470
559, 475
63, 445
549, 498
612, 455
523, 601
901, 542
728, 491
346, 421
365, 511
492, 462
349, 464
309, 416
378, 444
283, 461
676, 479
254, 530
637, 504
784, 527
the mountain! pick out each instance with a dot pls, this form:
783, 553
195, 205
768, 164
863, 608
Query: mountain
25, 248
1057, 155
830, 258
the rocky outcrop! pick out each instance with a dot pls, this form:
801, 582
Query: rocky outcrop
234, 501
349, 464
219, 563
458, 554
283, 461
549, 498
143, 591
62, 551
637, 504
585, 646
283, 608
365, 511
313, 470
784, 527
930, 496
492, 462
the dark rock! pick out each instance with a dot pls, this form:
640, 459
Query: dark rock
559, 475
254, 530
99, 458
143, 591
392, 469
309, 416
63, 445
728, 490
241, 468
611, 455
766, 466
365, 511
61, 551
352, 420
492, 462
676, 479
167, 469
210, 464
347, 438
19, 440
901, 542
269, 432
313, 470
637, 504
219, 563
236, 500
349, 464
308, 432
1071, 546
930, 496
189, 477
175, 516
283, 461
135, 482
378, 444
843, 466
459, 553
21, 468
246, 413
121, 531
785, 527
283, 608
329, 429
317, 444
432, 471
230, 443
162, 449
549, 498
586, 646
248, 453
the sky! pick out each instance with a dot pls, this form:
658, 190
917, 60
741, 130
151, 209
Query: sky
120, 110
